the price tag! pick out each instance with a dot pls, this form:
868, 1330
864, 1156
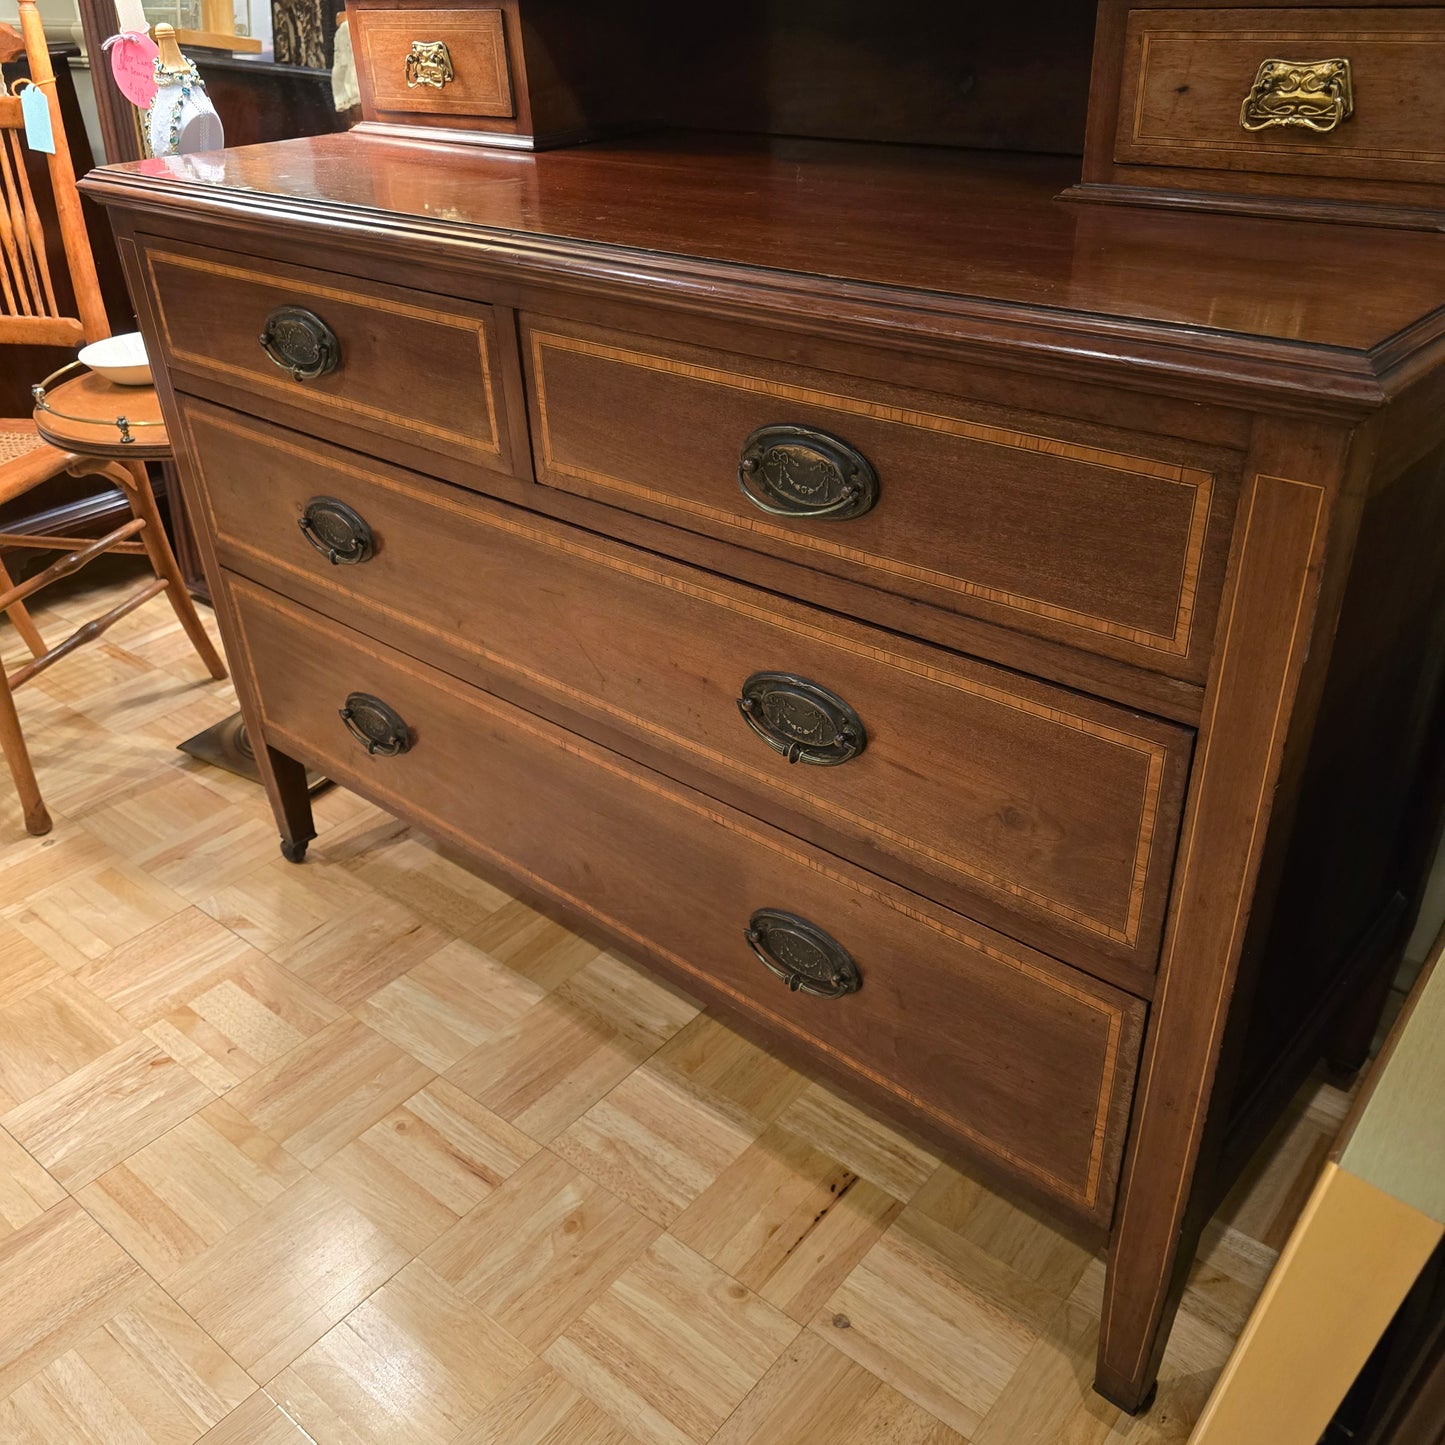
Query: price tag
35, 110
133, 56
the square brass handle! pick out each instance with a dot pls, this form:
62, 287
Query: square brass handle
1303, 94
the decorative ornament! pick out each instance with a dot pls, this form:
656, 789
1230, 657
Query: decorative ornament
181, 118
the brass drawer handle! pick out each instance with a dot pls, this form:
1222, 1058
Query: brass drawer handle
802, 955
798, 471
377, 725
801, 719
1305, 94
429, 62
337, 531
300, 343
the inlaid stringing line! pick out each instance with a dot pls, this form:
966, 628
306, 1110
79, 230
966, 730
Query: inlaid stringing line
1176, 643
475, 325
1154, 753
1111, 1013
1187, 859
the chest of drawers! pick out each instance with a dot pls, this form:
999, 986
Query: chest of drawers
986, 647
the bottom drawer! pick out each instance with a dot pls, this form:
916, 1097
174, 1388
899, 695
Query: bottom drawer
972, 1038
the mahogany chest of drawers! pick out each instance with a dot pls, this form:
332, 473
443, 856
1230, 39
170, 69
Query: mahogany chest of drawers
988, 646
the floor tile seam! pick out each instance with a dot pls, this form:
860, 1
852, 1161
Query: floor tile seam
276, 1374
827, 1345
1045, 1333
146, 1276
36, 1162
286, 1414
400, 1104
310, 1173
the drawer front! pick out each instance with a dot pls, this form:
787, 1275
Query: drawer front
979, 1040
418, 368
426, 63
1105, 546
1358, 97
1050, 815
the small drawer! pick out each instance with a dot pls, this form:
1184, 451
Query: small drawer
420, 370
1106, 540
1049, 815
427, 63
1342, 93
996, 1049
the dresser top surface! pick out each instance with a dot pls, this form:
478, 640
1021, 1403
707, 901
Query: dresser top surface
975, 225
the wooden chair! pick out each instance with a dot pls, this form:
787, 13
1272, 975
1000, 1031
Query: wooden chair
31, 316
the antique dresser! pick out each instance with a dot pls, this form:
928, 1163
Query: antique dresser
926, 526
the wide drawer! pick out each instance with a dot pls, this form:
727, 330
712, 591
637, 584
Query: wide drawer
1293, 90
420, 369
993, 1047
1050, 815
1106, 540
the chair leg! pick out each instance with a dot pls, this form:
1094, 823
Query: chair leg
19, 614
158, 549
17, 755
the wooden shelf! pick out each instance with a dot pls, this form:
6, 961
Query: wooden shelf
215, 40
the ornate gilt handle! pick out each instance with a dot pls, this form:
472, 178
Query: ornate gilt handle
799, 471
1304, 94
801, 954
429, 62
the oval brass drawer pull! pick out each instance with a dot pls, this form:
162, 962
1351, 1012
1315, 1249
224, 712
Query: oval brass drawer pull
801, 719
376, 724
1300, 94
801, 954
300, 343
798, 471
337, 531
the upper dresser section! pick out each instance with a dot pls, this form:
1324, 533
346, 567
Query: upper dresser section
1106, 540
1020, 495
1330, 110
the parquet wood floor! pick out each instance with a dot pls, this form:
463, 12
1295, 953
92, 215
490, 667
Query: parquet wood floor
366, 1152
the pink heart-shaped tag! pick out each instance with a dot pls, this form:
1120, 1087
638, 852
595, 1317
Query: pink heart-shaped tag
133, 56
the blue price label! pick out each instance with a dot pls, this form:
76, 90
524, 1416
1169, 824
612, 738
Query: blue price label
36, 112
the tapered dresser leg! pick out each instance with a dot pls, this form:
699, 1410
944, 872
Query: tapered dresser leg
285, 781
1277, 580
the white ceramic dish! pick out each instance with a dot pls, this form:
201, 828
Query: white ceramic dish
121, 359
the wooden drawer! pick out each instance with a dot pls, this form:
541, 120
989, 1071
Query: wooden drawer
409, 77
1052, 816
984, 1043
420, 369
1107, 540
1189, 73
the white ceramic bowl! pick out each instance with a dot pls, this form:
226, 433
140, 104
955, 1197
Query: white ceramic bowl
121, 359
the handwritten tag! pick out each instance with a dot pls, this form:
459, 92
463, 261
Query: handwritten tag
35, 110
133, 57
